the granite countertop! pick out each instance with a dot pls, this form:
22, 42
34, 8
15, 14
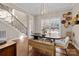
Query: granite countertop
8, 43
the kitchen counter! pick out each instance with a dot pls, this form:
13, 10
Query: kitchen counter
8, 48
8, 43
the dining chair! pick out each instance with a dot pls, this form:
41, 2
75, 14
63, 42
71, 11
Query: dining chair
63, 43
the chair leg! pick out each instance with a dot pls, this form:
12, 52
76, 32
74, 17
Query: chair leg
66, 52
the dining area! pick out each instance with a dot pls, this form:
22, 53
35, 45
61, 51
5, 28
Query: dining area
48, 44
53, 34
61, 36
60, 32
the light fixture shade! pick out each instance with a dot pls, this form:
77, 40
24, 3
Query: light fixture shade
44, 9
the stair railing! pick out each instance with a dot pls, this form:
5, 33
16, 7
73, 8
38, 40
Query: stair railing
15, 21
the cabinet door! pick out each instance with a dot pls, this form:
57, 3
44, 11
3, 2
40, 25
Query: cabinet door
8, 51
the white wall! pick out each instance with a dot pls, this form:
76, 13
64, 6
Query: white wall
21, 16
11, 32
30, 24
76, 36
37, 24
75, 11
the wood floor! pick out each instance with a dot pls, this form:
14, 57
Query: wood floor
22, 50
71, 50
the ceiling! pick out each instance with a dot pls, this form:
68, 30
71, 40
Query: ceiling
35, 8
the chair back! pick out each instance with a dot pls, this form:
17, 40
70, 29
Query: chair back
66, 42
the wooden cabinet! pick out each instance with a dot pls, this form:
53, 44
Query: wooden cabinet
9, 50
41, 47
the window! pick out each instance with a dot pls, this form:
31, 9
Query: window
51, 27
2, 35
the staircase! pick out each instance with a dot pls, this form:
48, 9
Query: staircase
13, 21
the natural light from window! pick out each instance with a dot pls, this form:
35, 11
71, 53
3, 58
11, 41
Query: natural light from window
51, 27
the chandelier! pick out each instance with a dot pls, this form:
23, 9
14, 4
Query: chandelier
44, 9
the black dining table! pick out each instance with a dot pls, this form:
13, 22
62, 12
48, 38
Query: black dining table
50, 38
